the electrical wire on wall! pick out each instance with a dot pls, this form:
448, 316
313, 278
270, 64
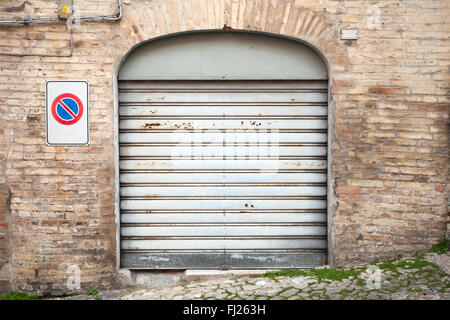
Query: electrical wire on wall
27, 20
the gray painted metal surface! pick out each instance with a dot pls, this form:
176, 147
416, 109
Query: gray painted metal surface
210, 204
223, 56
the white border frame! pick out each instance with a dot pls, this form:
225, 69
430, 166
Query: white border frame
46, 115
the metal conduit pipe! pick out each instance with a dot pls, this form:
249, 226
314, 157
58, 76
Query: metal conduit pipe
27, 20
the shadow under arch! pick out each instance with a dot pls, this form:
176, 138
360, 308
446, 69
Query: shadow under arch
298, 59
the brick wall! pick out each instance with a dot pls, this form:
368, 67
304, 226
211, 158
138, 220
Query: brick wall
4, 240
389, 103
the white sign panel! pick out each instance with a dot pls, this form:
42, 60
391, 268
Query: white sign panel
349, 34
67, 104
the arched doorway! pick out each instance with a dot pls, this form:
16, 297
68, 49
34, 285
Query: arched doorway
223, 153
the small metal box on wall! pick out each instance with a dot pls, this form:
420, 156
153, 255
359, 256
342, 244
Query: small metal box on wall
65, 9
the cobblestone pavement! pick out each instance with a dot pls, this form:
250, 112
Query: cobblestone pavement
418, 278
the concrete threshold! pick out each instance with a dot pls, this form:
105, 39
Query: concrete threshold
204, 275
165, 278
161, 279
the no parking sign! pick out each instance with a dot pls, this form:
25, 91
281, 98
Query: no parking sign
67, 112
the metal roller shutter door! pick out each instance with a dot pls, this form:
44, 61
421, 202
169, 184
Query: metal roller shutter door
199, 207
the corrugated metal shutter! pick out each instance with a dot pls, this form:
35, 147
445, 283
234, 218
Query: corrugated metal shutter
188, 204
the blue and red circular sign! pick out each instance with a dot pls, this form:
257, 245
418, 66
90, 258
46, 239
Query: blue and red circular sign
67, 109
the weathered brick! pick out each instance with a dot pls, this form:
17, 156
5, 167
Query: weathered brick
345, 189
385, 90
389, 116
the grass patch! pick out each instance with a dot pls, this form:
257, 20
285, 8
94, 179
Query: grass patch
91, 292
392, 269
441, 247
316, 294
361, 282
19, 296
445, 287
344, 293
417, 263
321, 274
94, 293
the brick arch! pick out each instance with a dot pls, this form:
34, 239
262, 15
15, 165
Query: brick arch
148, 21
145, 21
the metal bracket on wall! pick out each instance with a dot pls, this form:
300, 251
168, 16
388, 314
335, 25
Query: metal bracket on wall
65, 9
27, 20
349, 34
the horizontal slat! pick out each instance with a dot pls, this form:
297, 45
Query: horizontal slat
223, 124
210, 136
200, 86
298, 259
236, 204
222, 231
221, 191
212, 97
218, 164
220, 244
207, 177
223, 111
215, 260
273, 217
221, 151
